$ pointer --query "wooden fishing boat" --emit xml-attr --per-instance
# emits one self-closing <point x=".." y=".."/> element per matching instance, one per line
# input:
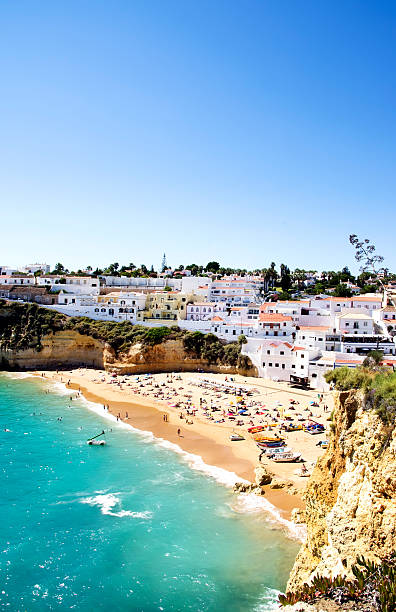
<point x="265" y="444"/>
<point x="256" y="429"/>
<point x="269" y="452"/>
<point x="286" y="457"/>
<point x="262" y="438"/>
<point x="292" y="427"/>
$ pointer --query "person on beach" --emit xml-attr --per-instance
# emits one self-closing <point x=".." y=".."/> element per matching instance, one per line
<point x="178" y="432"/>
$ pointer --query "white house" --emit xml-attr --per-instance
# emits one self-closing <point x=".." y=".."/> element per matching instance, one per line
<point x="203" y="311"/>
<point x="354" y="322"/>
<point x="84" y="285"/>
<point x="111" y="307"/>
<point x="36" y="267"/>
<point x="385" y="318"/>
<point x="312" y="336"/>
<point x="15" y="279"/>
<point x="271" y="324"/>
<point x="275" y="359"/>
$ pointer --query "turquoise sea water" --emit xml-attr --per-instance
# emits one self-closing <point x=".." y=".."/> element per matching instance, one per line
<point x="128" y="526"/>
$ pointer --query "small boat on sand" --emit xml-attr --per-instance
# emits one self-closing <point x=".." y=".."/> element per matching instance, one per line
<point x="270" y="452"/>
<point x="256" y="429"/>
<point x="236" y="437"/>
<point x="262" y="438"/>
<point x="286" y="457"/>
<point x="266" y="444"/>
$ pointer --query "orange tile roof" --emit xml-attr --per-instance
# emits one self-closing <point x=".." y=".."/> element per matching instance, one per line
<point x="315" y="327"/>
<point x="337" y="299"/>
<point x="280" y="343"/>
<point x="264" y="316"/>
<point x="367" y="299"/>
<point x="291" y="302"/>
<point x="217" y="319"/>
<point x="347" y="361"/>
<point x="299" y="348"/>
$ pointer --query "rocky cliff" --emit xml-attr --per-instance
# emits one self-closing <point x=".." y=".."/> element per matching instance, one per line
<point x="350" y="497"/>
<point x="69" y="348"/>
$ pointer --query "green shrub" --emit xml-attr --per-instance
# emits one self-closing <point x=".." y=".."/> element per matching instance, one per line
<point x="372" y="588"/>
<point x="379" y="388"/>
<point x="23" y="326"/>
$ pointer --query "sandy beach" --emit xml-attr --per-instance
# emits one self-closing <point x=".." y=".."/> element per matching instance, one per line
<point x="195" y="411"/>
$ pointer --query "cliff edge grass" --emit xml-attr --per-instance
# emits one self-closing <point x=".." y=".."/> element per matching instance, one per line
<point x="29" y="333"/>
<point x="351" y="497"/>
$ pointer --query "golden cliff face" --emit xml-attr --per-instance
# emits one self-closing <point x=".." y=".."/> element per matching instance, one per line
<point x="59" y="349"/>
<point x="167" y="356"/>
<point x="69" y="348"/>
<point x="351" y="495"/>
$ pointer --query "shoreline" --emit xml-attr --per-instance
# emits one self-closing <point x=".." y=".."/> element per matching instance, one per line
<point x="203" y="440"/>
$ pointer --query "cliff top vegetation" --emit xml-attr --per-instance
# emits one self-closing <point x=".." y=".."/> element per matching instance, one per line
<point x="23" y="326"/>
<point x="377" y="383"/>
<point x="373" y="588"/>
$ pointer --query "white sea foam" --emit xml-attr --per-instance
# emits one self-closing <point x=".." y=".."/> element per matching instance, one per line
<point x="269" y="601"/>
<point x="254" y="504"/>
<point x="246" y="503"/>
<point x="106" y="503"/>
<point x="16" y="375"/>
<point x="194" y="461"/>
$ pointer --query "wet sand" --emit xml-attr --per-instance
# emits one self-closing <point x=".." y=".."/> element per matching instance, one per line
<point x="136" y="406"/>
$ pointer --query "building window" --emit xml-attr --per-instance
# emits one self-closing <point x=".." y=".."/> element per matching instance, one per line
<point x="270" y="365"/>
<point x="268" y="352"/>
<point x="283" y="366"/>
<point x="96" y="309"/>
<point x="277" y="365"/>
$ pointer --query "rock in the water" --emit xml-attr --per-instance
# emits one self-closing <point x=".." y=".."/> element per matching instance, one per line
<point x="242" y="487"/>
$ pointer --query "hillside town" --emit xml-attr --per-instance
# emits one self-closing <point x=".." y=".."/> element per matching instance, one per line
<point x="294" y="327"/>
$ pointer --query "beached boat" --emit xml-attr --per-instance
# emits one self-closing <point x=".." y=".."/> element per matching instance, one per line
<point x="314" y="429"/>
<point x="262" y="438"/>
<point x="236" y="437"/>
<point x="256" y="429"/>
<point x="274" y="450"/>
<point x="286" y="457"/>
<point x="292" y="427"/>
<point x="265" y="444"/>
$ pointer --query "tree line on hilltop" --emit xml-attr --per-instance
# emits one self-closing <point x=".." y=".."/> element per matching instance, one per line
<point x="285" y="281"/>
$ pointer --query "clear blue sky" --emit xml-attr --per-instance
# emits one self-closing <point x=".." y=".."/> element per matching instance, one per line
<point x="239" y="131"/>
